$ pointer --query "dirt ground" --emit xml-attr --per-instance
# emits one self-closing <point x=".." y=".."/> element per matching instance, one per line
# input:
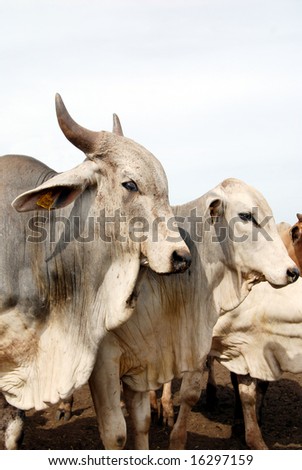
<point x="207" y="430"/>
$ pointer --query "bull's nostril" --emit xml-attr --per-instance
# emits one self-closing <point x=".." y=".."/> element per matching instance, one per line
<point x="181" y="260"/>
<point x="293" y="274"/>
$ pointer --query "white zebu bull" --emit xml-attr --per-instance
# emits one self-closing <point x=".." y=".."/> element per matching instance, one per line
<point x="70" y="258"/>
<point x="260" y="340"/>
<point x="171" y="329"/>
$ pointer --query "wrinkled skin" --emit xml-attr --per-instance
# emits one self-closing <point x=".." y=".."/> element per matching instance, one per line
<point x="169" y="335"/>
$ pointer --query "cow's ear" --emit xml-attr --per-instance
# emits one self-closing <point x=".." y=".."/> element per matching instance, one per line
<point x="58" y="191"/>
<point x="216" y="210"/>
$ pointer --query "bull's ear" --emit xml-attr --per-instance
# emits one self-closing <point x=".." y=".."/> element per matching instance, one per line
<point x="216" y="210"/>
<point x="58" y="191"/>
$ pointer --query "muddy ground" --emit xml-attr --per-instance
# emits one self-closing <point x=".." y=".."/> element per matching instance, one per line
<point x="208" y="430"/>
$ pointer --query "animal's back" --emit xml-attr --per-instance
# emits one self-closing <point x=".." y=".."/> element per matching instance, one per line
<point x="17" y="174"/>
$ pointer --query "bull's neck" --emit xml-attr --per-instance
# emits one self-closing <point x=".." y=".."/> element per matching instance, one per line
<point x="221" y="286"/>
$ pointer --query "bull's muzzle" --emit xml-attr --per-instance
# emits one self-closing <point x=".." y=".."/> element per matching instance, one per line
<point x="181" y="260"/>
<point x="292" y="274"/>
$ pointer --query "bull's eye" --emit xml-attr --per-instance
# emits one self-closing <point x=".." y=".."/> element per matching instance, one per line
<point x="248" y="217"/>
<point x="130" y="186"/>
<point x="245" y="216"/>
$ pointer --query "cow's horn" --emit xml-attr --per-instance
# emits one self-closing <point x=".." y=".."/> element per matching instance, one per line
<point x="117" y="127"/>
<point x="82" y="138"/>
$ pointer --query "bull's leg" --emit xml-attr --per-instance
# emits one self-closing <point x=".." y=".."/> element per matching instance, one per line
<point x="11" y="426"/>
<point x="155" y="407"/>
<point x="162" y="411"/>
<point x="247" y="387"/>
<point x="138" y="406"/>
<point x="190" y="391"/>
<point x="262" y="387"/>
<point x="211" y="389"/>
<point x="106" y="392"/>
<point x="64" y="409"/>
<point x="167" y="405"/>
<point x="238" y="422"/>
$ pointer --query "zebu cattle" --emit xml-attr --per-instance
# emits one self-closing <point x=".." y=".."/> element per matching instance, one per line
<point x="70" y="258"/>
<point x="260" y="340"/>
<point x="169" y="335"/>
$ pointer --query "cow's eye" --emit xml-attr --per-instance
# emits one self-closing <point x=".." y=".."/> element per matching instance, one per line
<point x="130" y="186"/>
<point x="248" y="217"/>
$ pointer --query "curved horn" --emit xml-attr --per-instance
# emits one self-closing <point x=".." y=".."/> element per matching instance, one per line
<point x="82" y="138"/>
<point x="117" y="127"/>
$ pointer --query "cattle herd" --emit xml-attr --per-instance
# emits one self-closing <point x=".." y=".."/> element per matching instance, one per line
<point x="103" y="282"/>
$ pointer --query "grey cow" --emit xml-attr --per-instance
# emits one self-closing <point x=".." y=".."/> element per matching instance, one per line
<point x="70" y="258"/>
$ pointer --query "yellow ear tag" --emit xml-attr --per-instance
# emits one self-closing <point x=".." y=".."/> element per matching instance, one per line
<point x="46" y="201"/>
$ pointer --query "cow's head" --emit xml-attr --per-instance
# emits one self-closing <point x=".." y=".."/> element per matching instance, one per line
<point x="131" y="190"/>
<point x="246" y="230"/>
<point x="292" y="238"/>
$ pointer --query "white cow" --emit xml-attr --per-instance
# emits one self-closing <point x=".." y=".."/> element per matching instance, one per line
<point x="70" y="258"/>
<point x="234" y="244"/>
<point x="260" y="340"/>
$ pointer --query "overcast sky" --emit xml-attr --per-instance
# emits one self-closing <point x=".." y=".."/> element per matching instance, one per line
<point x="213" y="88"/>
